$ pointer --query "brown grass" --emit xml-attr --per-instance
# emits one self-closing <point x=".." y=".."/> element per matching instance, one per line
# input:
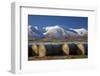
<point x="57" y="57"/>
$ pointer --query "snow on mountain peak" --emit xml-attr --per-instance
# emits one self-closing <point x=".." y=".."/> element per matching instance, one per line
<point x="55" y="31"/>
<point x="51" y="27"/>
<point x="36" y="27"/>
<point x="29" y="26"/>
<point x="34" y="32"/>
<point x="80" y="31"/>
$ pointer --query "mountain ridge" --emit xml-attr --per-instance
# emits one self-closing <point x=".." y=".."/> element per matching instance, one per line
<point x="55" y="31"/>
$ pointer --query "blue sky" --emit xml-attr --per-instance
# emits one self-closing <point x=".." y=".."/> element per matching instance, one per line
<point x="65" y="21"/>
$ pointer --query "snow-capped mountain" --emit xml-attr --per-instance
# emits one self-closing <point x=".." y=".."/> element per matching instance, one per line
<point x="33" y="32"/>
<point x="55" y="31"/>
<point x="80" y="31"/>
<point x="59" y="32"/>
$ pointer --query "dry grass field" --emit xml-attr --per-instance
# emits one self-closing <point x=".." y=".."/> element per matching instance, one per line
<point x="58" y="57"/>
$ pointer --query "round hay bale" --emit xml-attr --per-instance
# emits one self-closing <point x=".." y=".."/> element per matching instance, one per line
<point x="31" y="53"/>
<point x="35" y="48"/>
<point x="81" y="47"/>
<point x="42" y="50"/>
<point x="65" y="48"/>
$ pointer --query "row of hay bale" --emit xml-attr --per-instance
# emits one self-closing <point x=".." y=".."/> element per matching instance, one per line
<point x="64" y="49"/>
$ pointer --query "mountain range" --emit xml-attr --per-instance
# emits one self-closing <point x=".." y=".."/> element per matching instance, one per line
<point x="55" y="31"/>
